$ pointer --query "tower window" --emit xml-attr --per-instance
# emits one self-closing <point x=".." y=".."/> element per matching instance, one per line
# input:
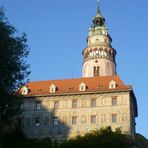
<point x="96" y="71"/>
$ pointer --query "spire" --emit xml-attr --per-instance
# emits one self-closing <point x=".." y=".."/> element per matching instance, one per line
<point x="98" y="11"/>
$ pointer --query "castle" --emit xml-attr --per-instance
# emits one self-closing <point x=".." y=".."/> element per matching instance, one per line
<point x="62" y="109"/>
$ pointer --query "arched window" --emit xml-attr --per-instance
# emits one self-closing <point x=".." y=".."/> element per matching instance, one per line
<point x="96" y="71"/>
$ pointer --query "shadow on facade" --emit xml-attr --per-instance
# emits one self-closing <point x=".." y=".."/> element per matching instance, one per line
<point x="40" y="122"/>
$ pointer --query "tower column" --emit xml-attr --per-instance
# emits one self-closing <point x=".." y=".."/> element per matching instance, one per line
<point x="99" y="56"/>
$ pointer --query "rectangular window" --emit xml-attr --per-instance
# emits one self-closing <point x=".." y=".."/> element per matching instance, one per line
<point x="93" y="102"/>
<point x="37" y="121"/>
<point x="55" y="120"/>
<point x="46" y="121"/>
<point x="56" y="104"/>
<point x="38" y="106"/>
<point x="114" y="118"/>
<point x="74" y="104"/>
<point x="22" y="106"/>
<point x="93" y="119"/>
<point x="114" y="101"/>
<point x="27" y="122"/>
<point x="74" y="120"/>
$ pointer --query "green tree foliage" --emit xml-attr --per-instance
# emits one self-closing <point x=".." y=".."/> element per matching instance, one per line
<point x="13" y="67"/>
<point x="104" y="138"/>
<point x="141" y="141"/>
<point x="18" y="140"/>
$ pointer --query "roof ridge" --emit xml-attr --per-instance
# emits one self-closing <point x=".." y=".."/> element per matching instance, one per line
<point x="82" y="78"/>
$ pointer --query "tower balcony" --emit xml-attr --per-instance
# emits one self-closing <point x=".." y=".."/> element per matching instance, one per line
<point x="96" y="53"/>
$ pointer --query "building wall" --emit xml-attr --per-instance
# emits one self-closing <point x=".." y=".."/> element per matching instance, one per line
<point x="64" y="112"/>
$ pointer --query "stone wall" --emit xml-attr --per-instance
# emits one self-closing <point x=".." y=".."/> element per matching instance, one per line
<point x="71" y="115"/>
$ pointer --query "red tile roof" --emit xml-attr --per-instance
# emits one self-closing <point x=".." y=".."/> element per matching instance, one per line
<point x="66" y="86"/>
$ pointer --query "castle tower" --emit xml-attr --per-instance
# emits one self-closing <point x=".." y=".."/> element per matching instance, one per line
<point x="99" y="56"/>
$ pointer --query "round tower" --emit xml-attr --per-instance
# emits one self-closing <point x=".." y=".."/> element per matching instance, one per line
<point x="99" y="56"/>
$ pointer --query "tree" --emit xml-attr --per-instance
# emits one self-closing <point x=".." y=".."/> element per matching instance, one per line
<point x="103" y="138"/>
<point x="13" y="67"/>
<point x="141" y="141"/>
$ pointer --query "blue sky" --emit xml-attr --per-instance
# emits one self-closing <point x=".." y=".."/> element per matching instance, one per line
<point x="57" y="32"/>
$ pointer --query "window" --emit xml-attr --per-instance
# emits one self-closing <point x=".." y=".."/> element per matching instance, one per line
<point x="114" y="101"/>
<point x="46" y="121"/>
<point x="56" y="104"/>
<point x="96" y="71"/>
<point x="38" y="106"/>
<point x="22" y="106"/>
<point x="112" y="84"/>
<point x="74" y="120"/>
<point x="37" y="121"/>
<point x="24" y="90"/>
<point x="93" y="119"/>
<point x="27" y="121"/>
<point x="82" y="87"/>
<point x="55" y="120"/>
<point x="114" y="118"/>
<point x="52" y="88"/>
<point x="93" y="102"/>
<point x="74" y="104"/>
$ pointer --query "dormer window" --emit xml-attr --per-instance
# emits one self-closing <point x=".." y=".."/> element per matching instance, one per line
<point x="52" y="88"/>
<point x="24" y="90"/>
<point x="82" y="87"/>
<point x="112" y="84"/>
